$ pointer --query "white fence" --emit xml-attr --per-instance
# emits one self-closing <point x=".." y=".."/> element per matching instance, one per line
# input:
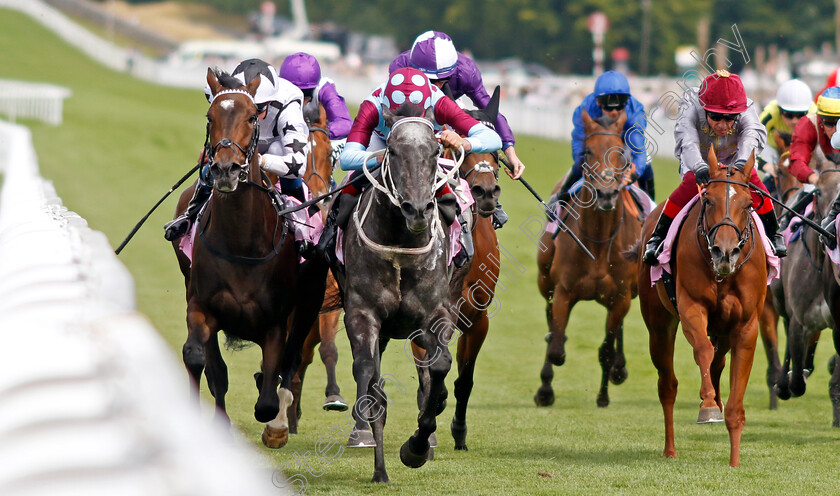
<point x="92" y="400"/>
<point x="45" y="102"/>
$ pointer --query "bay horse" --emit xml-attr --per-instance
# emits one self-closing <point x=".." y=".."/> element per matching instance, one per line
<point x="398" y="284"/>
<point x="245" y="278"/>
<point x="719" y="269"/>
<point x="318" y="176"/>
<point x="603" y="221"/>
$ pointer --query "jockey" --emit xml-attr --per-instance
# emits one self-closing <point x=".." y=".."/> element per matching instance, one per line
<point x="610" y="98"/>
<point x="719" y="114"/>
<point x="793" y="101"/>
<point x="813" y="135"/>
<point x="406" y="88"/>
<point x="283" y="143"/>
<point x="304" y="72"/>
<point x="433" y="53"/>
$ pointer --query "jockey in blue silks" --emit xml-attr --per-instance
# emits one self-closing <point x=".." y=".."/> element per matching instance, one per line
<point x="610" y="98"/>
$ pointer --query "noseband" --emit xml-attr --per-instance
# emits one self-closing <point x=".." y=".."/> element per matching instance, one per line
<point x="210" y="151"/>
<point x="709" y="234"/>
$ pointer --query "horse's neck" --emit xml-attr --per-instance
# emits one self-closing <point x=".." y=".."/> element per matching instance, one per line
<point x="599" y="224"/>
<point x="240" y="217"/>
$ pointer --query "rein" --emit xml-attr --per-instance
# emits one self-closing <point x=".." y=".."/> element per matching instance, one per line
<point x="210" y="151"/>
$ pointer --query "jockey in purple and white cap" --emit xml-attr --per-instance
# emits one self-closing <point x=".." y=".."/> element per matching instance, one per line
<point x="303" y="70"/>
<point x="433" y="52"/>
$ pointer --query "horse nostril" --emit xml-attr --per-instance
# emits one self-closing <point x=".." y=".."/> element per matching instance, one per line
<point x="477" y="191"/>
<point x="215" y="170"/>
<point x="716" y="252"/>
<point x="497" y="190"/>
<point x="735" y="253"/>
<point x="429" y="207"/>
<point x="235" y="168"/>
<point x="408" y="209"/>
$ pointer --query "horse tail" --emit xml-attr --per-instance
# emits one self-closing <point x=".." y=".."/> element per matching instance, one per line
<point x="632" y="254"/>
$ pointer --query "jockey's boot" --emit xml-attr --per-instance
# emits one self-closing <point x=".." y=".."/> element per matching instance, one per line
<point x="647" y="186"/>
<point x="328" y="240"/>
<point x="500" y="217"/>
<point x="654" y="245"/>
<point x="771" y="228"/>
<point x="829" y="225"/>
<point x="178" y="227"/>
<point x="467" y="247"/>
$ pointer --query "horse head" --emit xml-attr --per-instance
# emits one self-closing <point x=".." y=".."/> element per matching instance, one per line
<point x="411" y="164"/>
<point x="319" y="166"/>
<point x="725" y="214"/>
<point x="232" y="130"/>
<point x="481" y="170"/>
<point x="605" y="160"/>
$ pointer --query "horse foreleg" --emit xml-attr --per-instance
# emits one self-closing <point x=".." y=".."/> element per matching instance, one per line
<point x="307" y="354"/>
<point x="217" y="376"/>
<point x="545" y="393"/>
<point x="694" y="323"/>
<point x="362" y="331"/>
<point x="783" y="383"/>
<point x="328" y="326"/>
<point x="272" y="403"/>
<point x="378" y="414"/>
<point x="768" y="327"/>
<point x="718" y="363"/>
<point x="607" y="352"/>
<point x="468" y="347"/>
<point x="743" y="352"/>
<point x="200" y="327"/>
<point x="661" y="345"/>
<point x="798" y="345"/>
<point x="415" y="451"/>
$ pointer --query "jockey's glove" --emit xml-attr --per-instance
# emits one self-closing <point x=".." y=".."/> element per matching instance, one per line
<point x="701" y="174"/>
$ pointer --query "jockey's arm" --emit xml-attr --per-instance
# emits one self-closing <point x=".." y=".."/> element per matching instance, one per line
<point x="686" y="134"/>
<point x="482" y="139"/>
<point x="634" y="138"/>
<point x="802" y="145"/>
<point x="358" y="140"/>
<point x="286" y="157"/>
<point x="338" y="117"/>
<point x="753" y="134"/>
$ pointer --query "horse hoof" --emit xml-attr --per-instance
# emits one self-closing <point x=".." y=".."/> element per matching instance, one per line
<point x="380" y="478"/>
<point x="432" y="441"/>
<point x="603" y="401"/>
<point x="335" y="403"/>
<point x="411" y="459"/>
<point x="709" y="415"/>
<point x="618" y="375"/>
<point x="361" y="438"/>
<point x="459" y="433"/>
<point x="430" y="455"/>
<point x="275" y="438"/>
<point x="548" y="337"/>
<point x="544" y="398"/>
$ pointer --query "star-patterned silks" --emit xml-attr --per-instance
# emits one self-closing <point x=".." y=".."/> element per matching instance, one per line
<point x="297" y="146"/>
<point x="294" y="167"/>
<point x="288" y="127"/>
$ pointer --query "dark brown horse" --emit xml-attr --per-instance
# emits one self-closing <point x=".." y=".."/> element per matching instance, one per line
<point x="567" y="275"/>
<point x="245" y="277"/>
<point x="719" y="268"/>
<point x="318" y="176"/>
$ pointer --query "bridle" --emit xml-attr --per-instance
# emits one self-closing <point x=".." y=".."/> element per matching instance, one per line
<point x="310" y="159"/>
<point x="248" y="152"/>
<point x="708" y="235"/>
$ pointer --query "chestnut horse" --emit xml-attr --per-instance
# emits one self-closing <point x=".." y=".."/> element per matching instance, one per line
<point x="602" y="220"/>
<point x="318" y="177"/>
<point x="245" y="277"/>
<point x="720" y="272"/>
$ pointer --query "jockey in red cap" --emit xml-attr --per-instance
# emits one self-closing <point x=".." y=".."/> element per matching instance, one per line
<point x="719" y="114"/>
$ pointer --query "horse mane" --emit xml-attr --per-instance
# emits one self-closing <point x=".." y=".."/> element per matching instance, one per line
<point x="227" y="80"/>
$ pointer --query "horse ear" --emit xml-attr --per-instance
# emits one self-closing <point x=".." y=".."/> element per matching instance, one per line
<point x="213" y="81"/>
<point x="712" y="159"/>
<point x="780" y="142"/>
<point x="251" y="88"/>
<point x="750" y="164"/>
<point x="621" y="121"/>
<point x="587" y="121"/>
<point x="492" y="108"/>
<point x="430" y="114"/>
<point x="388" y="117"/>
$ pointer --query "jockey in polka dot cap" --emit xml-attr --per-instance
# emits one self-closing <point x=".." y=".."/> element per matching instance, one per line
<point x="407" y="92"/>
<point x="433" y="53"/>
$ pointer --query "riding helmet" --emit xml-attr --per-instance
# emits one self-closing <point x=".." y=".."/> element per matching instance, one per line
<point x="407" y="85"/>
<point x="794" y="96"/>
<point x="302" y="70"/>
<point x="247" y="70"/>
<point x="723" y="92"/>
<point x="828" y="103"/>
<point x="434" y="53"/>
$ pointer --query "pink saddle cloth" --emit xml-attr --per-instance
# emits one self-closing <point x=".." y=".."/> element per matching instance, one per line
<point x="304" y="226"/>
<point x="665" y="257"/>
<point x="465" y="201"/>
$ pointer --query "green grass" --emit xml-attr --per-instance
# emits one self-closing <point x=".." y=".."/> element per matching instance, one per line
<point x="124" y="143"/>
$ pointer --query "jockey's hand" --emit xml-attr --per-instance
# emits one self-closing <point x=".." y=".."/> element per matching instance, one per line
<point x="518" y="166"/>
<point x="630" y="178"/>
<point x="451" y="139"/>
<point x="701" y="174"/>
<point x="814" y="178"/>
